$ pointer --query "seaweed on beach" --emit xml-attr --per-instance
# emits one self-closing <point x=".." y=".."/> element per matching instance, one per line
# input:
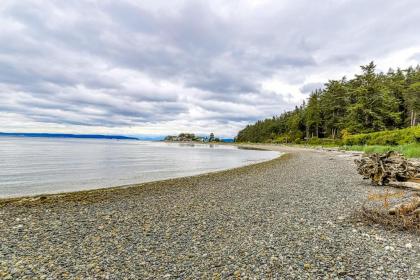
<point x="390" y="209"/>
<point x="399" y="209"/>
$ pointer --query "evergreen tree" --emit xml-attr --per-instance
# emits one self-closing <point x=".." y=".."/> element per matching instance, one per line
<point x="412" y="102"/>
<point x="334" y="101"/>
<point x="374" y="108"/>
<point x="369" y="102"/>
<point x="313" y="115"/>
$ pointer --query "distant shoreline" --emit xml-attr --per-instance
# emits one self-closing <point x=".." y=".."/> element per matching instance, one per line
<point x="65" y="135"/>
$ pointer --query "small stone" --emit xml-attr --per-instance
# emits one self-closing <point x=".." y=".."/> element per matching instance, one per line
<point x="379" y="238"/>
<point x="366" y="235"/>
<point x="389" y="248"/>
<point x="408" y="246"/>
<point x="341" y="272"/>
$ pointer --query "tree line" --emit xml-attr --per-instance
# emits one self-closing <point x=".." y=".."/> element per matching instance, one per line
<point x="367" y="103"/>
<point x="183" y="137"/>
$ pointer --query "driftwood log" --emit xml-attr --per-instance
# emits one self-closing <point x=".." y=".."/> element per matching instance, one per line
<point x="405" y="185"/>
<point x="406" y="208"/>
<point x="388" y="167"/>
<point x="393" y="170"/>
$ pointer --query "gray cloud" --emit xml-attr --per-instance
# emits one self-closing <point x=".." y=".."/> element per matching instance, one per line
<point x="310" y="87"/>
<point x="158" y="66"/>
<point x="416" y="56"/>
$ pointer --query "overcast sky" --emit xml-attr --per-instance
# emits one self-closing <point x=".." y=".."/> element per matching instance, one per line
<point x="164" y="67"/>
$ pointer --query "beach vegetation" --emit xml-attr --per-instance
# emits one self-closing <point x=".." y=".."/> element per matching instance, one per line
<point x="411" y="150"/>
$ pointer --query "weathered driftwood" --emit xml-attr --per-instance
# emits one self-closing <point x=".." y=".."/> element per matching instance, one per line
<point x="406" y="208"/>
<point x="388" y="167"/>
<point x="405" y="185"/>
<point x="380" y="215"/>
<point x="415" y="180"/>
<point x="392" y="169"/>
<point x="416" y="212"/>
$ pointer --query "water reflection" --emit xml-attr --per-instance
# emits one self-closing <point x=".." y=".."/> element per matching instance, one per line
<point x="41" y="165"/>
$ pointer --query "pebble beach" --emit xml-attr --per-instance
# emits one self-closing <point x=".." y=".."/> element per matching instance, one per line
<point x="289" y="218"/>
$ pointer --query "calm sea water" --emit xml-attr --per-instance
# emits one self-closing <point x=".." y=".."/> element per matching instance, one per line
<point x="30" y="166"/>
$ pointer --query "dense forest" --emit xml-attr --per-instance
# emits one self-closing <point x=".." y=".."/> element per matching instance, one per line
<point x="367" y="103"/>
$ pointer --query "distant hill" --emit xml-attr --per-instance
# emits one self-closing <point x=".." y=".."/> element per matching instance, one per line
<point x="150" y="138"/>
<point x="65" y="135"/>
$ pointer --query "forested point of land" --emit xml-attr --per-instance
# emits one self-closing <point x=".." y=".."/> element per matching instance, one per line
<point x="369" y="102"/>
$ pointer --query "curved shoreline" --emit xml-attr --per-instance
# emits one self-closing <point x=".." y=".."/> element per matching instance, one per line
<point x="287" y="218"/>
<point x="42" y="198"/>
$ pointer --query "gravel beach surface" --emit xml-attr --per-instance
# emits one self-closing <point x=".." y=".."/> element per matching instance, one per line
<point x="289" y="218"/>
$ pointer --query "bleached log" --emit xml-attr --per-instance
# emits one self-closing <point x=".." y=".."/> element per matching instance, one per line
<point x="416" y="212"/>
<point x="405" y="185"/>
<point x="405" y="207"/>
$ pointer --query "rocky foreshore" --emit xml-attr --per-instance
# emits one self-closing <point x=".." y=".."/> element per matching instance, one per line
<point x="289" y="218"/>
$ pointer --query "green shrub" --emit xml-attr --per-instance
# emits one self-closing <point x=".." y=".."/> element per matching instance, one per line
<point x="323" y="142"/>
<point x="280" y="140"/>
<point x="287" y="138"/>
<point x="389" y="137"/>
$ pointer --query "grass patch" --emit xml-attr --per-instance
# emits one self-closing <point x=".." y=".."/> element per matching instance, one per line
<point x="409" y="150"/>
<point x="405" y="141"/>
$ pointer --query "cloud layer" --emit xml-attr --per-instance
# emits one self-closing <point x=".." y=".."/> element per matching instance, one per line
<point x="160" y="67"/>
